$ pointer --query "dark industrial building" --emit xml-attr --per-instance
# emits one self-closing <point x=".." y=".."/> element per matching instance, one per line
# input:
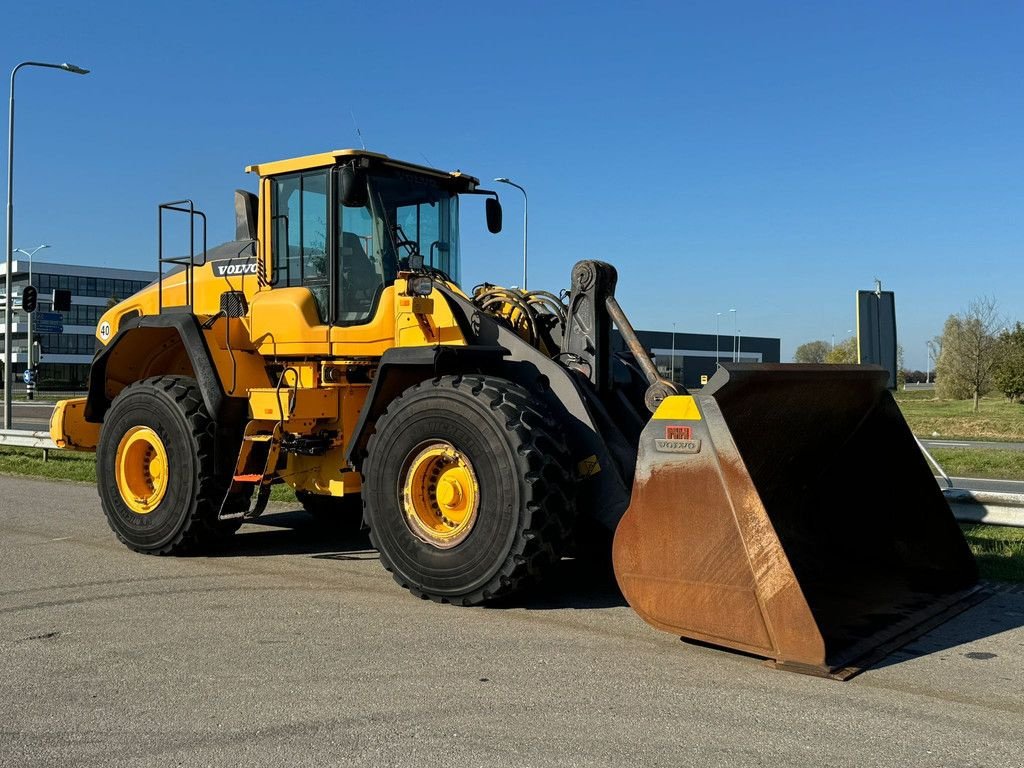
<point x="689" y="357"/>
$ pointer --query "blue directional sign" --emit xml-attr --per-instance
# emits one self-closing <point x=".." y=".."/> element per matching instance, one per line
<point x="48" y="322"/>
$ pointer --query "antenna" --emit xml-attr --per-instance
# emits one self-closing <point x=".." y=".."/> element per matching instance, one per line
<point x="358" y="132"/>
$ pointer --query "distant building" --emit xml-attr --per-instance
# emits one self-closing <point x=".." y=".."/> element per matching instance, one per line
<point x="695" y="355"/>
<point x="66" y="356"/>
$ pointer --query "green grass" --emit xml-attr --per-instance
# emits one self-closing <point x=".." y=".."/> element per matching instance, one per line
<point x="998" y="550"/>
<point x="981" y="462"/>
<point x="62" y="465"/>
<point x="997" y="418"/>
<point x="67" y="465"/>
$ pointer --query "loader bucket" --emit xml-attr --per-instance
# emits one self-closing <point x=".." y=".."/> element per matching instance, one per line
<point x="786" y="511"/>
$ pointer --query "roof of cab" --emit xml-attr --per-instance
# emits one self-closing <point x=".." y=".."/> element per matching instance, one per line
<point x="322" y="159"/>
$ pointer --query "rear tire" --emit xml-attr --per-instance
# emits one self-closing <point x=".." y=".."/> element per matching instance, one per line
<point x="167" y="412"/>
<point x="518" y="500"/>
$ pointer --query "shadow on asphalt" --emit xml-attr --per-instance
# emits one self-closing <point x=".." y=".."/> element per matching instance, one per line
<point x="573" y="584"/>
<point x="582" y="585"/>
<point x="1002" y="612"/>
<point x="297" y="533"/>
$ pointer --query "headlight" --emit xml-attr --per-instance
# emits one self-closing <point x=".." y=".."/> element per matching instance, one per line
<point x="420" y="286"/>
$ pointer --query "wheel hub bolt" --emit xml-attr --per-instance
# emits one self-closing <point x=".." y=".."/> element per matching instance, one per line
<point x="449" y="493"/>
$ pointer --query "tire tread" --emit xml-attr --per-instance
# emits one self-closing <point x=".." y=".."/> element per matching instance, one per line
<point x="542" y="464"/>
<point x="201" y="527"/>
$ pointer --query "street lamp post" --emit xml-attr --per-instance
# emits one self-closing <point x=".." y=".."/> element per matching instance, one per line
<point x="526" y="219"/>
<point x="673" y="352"/>
<point x="8" y="368"/>
<point x="739" y="346"/>
<point x="30" y="254"/>
<point x="733" y="311"/>
<point x="718" y="333"/>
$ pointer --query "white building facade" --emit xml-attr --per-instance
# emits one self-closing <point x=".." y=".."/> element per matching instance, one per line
<point x="65" y="357"/>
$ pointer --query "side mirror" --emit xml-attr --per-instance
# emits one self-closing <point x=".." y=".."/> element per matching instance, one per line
<point x="246" y="205"/>
<point x="352" y="187"/>
<point x="493" y="207"/>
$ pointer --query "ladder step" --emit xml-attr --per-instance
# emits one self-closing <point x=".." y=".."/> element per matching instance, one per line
<point x="255" y="478"/>
<point x="258" y="438"/>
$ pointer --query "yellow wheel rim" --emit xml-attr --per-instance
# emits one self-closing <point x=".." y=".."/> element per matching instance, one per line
<point x="440" y="495"/>
<point x="141" y="466"/>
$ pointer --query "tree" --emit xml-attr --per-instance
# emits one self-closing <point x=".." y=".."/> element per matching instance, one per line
<point x="968" y="355"/>
<point x="811" y="352"/>
<point x="845" y="352"/>
<point x="1008" y="372"/>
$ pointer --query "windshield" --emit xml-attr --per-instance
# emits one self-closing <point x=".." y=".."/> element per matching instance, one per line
<point x="418" y="216"/>
<point x="406" y="215"/>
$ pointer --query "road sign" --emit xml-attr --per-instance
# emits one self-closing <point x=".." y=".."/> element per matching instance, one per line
<point x="49" y="322"/>
<point x="876" y="330"/>
<point x="61" y="301"/>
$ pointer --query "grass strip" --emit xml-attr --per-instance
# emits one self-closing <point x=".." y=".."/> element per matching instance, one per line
<point x="981" y="462"/>
<point x="70" y="465"/>
<point x="999" y="550"/>
<point x="997" y="418"/>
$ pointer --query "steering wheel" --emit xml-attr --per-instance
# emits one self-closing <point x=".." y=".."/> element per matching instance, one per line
<point x="410" y="243"/>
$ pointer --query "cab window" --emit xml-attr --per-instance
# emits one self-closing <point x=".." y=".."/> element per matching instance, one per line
<point x="362" y="270"/>
<point x="299" y="221"/>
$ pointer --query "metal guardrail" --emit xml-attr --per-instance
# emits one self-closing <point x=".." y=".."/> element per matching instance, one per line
<point x="27" y="438"/>
<point x="987" y="507"/>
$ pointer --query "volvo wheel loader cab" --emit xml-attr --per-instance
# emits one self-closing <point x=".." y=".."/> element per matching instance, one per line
<point x="478" y="433"/>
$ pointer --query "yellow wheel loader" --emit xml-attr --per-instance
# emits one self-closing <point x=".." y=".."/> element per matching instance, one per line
<point x="783" y="511"/>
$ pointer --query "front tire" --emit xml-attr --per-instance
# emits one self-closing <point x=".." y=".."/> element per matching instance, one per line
<point x="466" y="489"/>
<point x="154" y="467"/>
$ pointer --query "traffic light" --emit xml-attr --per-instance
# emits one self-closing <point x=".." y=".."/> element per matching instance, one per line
<point x="61" y="300"/>
<point x="29" y="298"/>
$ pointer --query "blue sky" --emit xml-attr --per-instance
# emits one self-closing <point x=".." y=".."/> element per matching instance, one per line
<point x="772" y="157"/>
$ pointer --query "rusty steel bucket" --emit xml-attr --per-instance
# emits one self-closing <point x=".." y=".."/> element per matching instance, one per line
<point x="786" y="511"/>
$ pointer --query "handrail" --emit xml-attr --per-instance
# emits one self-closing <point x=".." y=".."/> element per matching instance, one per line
<point x="189" y="262"/>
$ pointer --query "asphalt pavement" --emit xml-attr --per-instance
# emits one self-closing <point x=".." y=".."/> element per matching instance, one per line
<point x="973" y="444"/>
<point x="30" y="415"/>
<point x="294" y="647"/>
<point x="984" y="484"/>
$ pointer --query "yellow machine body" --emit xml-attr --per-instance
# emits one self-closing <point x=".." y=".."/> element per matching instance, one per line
<point x="757" y="514"/>
<point x="281" y="324"/>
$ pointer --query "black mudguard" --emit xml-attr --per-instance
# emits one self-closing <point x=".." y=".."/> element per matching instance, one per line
<point x="229" y="413"/>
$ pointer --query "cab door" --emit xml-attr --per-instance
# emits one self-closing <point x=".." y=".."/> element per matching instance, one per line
<point x="363" y="307"/>
<point x="294" y="316"/>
